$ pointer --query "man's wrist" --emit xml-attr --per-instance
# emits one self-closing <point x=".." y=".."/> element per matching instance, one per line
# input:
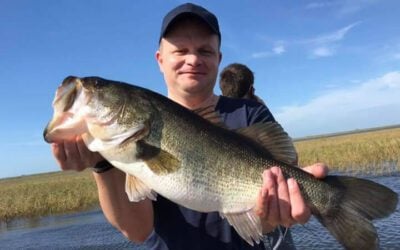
<point x="102" y="166"/>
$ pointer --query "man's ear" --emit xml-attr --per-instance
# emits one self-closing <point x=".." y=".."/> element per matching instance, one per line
<point x="220" y="57"/>
<point x="159" y="60"/>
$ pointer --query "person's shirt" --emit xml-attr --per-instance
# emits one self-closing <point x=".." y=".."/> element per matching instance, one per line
<point x="177" y="227"/>
<point x="258" y="99"/>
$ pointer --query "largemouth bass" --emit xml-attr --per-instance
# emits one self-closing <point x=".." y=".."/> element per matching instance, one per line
<point x="167" y="149"/>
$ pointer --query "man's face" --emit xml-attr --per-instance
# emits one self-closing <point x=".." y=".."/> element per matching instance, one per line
<point x="189" y="57"/>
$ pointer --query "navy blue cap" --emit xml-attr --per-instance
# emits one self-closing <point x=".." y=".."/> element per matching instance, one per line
<point x="190" y="9"/>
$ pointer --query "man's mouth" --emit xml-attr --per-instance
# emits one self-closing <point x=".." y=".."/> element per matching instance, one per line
<point x="192" y="73"/>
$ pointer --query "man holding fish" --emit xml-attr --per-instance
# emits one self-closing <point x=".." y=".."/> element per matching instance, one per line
<point x="189" y="56"/>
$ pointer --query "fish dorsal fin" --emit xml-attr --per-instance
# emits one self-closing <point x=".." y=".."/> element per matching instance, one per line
<point x="247" y="224"/>
<point x="137" y="190"/>
<point x="211" y="115"/>
<point x="273" y="138"/>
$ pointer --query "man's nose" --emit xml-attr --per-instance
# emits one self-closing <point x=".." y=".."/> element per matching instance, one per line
<point x="193" y="59"/>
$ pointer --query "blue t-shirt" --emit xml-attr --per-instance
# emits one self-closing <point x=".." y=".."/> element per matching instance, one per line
<point x="180" y="228"/>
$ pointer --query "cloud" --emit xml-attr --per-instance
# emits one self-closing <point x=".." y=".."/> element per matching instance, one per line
<point x="319" y="46"/>
<point x="341" y="8"/>
<point x="322" y="52"/>
<point x="277" y="50"/>
<point x="323" y="45"/>
<point x="331" y="37"/>
<point x="352" y="6"/>
<point x="262" y="54"/>
<point x="371" y="103"/>
<point x="388" y="53"/>
<point x="320" y="5"/>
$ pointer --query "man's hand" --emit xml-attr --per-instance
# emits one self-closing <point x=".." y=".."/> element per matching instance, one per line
<point x="280" y="201"/>
<point x="74" y="155"/>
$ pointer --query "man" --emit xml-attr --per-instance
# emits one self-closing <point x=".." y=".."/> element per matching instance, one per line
<point x="237" y="81"/>
<point x="189" y="57"/>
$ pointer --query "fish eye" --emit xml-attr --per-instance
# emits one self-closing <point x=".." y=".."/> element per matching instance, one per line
<point x="98" y="83"/>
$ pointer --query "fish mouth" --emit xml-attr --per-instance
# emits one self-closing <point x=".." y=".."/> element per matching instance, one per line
<point x="55" y="131"/>
<point x="45" y="134"/>
<point x="66" y="95"/>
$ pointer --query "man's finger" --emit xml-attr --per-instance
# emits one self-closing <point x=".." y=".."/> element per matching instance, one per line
<point x="283" y="198"/>
<point x="81" y="146"/>
<point x="262" y="204"/>
<point x="71" y="150"/>
<point x="73" y="158"/>
<point x="300" y="212"/>
<point x="58" y="151"/>
<point x="319" y="170"/>
<point x="273" y="215"/>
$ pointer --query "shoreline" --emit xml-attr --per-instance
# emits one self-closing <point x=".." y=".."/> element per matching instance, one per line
<point x="374" y="153"/>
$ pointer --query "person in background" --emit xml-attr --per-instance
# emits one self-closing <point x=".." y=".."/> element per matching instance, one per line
<point x="237" y="81"/>
<point x="188" y="57"/>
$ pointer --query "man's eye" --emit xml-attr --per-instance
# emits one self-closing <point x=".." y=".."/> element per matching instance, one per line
<point x="206" y="52"/>
<point x="180" y="51"/>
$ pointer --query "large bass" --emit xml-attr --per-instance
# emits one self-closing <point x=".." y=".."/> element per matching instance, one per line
<point x="167" y="149"/>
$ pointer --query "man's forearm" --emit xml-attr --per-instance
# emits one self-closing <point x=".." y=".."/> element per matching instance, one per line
<point x="133" y="219"/>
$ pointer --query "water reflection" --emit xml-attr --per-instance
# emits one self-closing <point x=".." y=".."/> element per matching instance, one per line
<point x="20" y="223"/>
<point x="36" y="222"/>
<point x="88" y="230"/>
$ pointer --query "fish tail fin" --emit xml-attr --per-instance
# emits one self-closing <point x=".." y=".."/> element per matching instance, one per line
<point x="359" y="202"/>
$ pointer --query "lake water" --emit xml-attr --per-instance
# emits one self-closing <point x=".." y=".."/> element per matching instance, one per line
<point x="90" y="230"/>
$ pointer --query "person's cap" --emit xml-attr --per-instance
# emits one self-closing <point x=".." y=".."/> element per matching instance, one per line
<point x="190" y="9"/>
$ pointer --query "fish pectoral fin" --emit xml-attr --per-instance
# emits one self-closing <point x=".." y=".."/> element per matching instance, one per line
<point x="137" y="190"/>
<point x="247" y="224"/>
<point x="163" y="163"/>
<point x="274" y="139"/>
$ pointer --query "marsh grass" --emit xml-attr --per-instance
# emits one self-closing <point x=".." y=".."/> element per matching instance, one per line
<point x="45" y="194"/>
<point x="375" y="152"/>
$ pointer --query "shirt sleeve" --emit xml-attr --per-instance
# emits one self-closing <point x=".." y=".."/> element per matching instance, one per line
<point x="154" y="242"/>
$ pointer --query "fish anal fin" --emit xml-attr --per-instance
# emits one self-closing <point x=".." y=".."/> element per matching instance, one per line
<point x="137" y="190"/>
<point x="247" y="224"/>
<point x="274" y="139"/>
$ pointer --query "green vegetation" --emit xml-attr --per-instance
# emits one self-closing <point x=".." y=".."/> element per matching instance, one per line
<point x="376" y="152"/>
<point x="44" y="194"/>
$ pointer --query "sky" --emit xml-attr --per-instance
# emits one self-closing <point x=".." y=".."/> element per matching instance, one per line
<point x="321" y="66"/>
